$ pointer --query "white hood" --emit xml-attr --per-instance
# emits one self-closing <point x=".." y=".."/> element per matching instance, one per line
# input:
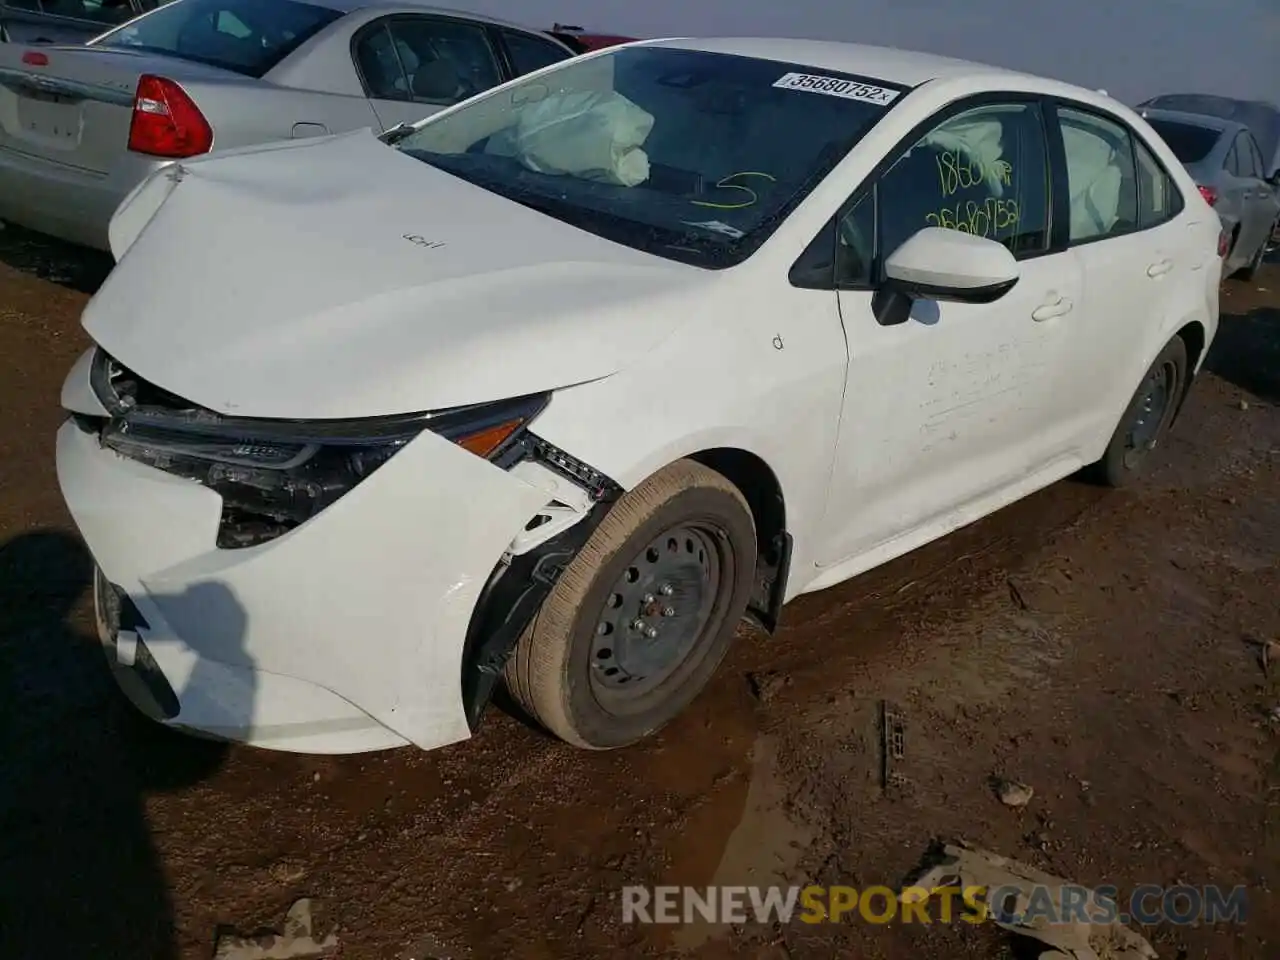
<point x="341" y="278"/>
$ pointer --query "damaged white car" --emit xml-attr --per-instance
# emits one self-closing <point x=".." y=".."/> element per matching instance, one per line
<point x="559" y="385"/>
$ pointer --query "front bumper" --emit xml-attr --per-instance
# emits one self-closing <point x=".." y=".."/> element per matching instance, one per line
<point x="345" y="634"/>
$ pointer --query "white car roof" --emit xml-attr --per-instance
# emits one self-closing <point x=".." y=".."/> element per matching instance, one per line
<point x="904" y="67"/>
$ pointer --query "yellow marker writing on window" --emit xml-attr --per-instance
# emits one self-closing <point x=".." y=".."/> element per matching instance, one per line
<point x="726" y="184"/>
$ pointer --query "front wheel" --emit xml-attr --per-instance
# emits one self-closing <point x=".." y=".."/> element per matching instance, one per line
<point x="641" y="618"/>
<point x="1147" y="419"/>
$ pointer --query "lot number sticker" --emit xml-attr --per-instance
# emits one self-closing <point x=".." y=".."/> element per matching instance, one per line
<point x="837" y="87"/>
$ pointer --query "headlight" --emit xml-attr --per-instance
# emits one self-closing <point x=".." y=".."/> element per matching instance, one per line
<point x="273" y="475"/>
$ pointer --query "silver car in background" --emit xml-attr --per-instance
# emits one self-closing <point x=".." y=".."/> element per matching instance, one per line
<point x="81" y="126"/>
<point x="1224" y="159"/>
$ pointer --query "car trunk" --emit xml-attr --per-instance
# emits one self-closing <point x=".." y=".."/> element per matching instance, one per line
<point x="73" y="105"/>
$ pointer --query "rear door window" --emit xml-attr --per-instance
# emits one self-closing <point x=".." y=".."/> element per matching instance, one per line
<point x="1233" y="164"/>
<point x="1159" y="199"/>
<point x="425" y="60"/>
<point x="1250" y="162"/>
<point x="529" y="53"/>
<point x="245" y="36"/>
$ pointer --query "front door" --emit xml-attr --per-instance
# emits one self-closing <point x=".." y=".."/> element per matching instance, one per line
<point x="413" y="66"/>
<point x="957" y="403"/>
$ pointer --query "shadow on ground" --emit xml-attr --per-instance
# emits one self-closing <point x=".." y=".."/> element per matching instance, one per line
<point x="1246" y="351"/>
<point x="79" y="873"/>
<point x="77" y="268"/>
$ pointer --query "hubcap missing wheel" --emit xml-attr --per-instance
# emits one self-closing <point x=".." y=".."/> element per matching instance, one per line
<point x="655" y="613"/>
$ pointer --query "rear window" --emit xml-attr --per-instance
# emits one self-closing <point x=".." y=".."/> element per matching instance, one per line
<point x="1190" y="143"/>
<point x="245" y="36"/>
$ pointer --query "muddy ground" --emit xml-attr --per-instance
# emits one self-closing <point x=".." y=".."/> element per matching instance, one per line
<point x="1095" y="645"/>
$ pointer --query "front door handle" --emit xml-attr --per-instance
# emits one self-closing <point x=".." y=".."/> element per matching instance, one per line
<point x="1159" y="268"/>
<point x="1048" y="311"/>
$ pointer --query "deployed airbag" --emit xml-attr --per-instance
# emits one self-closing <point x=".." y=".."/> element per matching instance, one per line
<point x="592" y="135"/>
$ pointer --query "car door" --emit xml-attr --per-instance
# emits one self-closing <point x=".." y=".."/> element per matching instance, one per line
<point x="1138" y="256"/>
<point x="414" y="65"/>
<point x="1258" y="214"/>
<point x="947" y="410"/>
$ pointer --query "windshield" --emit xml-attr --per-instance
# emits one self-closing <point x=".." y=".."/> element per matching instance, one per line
<point x="245" y="36"/>
<point x="688" y="155"/>
<point x="1189" y="142"/>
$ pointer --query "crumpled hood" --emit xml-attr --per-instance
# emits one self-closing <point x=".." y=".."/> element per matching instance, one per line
<point x="341" y="278"/>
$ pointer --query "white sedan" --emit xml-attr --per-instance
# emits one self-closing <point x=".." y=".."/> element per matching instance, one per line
<point x="560" y="384"/>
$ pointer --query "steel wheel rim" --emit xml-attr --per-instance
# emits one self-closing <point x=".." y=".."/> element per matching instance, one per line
<point x="1144" y="431"/>
<point x="655" y="613"/>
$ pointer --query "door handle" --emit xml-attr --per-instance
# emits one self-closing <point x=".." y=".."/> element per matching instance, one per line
<point x="1059" y="308"/>
<point x="1159" y="268"/>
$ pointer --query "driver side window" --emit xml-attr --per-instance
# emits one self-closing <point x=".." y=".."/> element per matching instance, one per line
<point x="984" y="171"/>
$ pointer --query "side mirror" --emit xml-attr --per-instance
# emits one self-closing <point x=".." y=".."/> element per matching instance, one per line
<point x="947" y="265"/>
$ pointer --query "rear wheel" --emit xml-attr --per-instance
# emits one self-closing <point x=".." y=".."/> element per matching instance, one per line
<point x="1147" y="418"/>
<point x="641" y="618"/>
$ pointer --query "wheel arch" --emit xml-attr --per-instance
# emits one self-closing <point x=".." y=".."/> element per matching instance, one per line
<point x="760" y="486"/>
<point x="1195" y="339"/>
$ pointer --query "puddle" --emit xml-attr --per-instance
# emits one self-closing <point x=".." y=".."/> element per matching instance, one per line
<point x="761" y="849"/>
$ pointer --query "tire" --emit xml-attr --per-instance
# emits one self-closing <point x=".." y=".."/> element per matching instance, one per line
<point x="1137" y="435"/>
<point x="1247" y="272"/>
<point x="560" y="673"/>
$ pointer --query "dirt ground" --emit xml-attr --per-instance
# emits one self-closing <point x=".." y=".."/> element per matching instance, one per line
<point x="1095" y="645"/>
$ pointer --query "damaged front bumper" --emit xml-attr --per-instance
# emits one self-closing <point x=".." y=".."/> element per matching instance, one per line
<point x="361" y="628"/>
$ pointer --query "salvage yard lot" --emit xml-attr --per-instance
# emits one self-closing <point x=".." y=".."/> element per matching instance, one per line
<point x="1100" y="647"/>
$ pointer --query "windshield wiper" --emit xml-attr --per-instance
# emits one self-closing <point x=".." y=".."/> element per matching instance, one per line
<point x="397" y="133"/>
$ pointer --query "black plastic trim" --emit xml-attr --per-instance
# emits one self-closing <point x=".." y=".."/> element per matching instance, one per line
<point x="767" y="614"/>
<point x="512" y="595"/>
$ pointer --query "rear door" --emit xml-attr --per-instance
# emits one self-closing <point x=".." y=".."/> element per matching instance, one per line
<point x="414" y="65"/>
<point x="1142" y="261"/>
<point x="1259" y="211"/>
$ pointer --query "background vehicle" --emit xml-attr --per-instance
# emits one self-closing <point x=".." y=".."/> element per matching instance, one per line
<point x="1224" y="159"/>
<point x="1262" y="118"/>
<point x="65" y="21"/>
<point x="81" y="126"/>
<point x="585" y="42"/>
<point x="349" y="443"/>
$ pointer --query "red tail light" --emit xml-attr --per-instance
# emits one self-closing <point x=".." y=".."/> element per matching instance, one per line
<point x="1210" y="196"/>
<point x="166" y="122"/>
<point x="33" y="58"/>
<point x="1224" y="243"/>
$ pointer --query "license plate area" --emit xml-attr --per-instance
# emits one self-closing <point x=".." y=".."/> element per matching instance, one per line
<point x="51" y="119"/>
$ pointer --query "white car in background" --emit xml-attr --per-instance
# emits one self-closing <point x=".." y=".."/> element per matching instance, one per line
<point x="560" y="384"/>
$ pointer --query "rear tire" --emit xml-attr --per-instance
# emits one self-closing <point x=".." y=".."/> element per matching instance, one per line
<point x="641" y="618"/>
<point x="1147" y="418"/>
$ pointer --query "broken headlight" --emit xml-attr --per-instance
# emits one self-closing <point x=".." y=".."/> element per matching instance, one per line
<point x="274" y="475"/>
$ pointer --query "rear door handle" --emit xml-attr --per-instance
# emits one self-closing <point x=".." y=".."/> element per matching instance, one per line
<point x="1048" y="311"/>
<point x="1159" y="268"/>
